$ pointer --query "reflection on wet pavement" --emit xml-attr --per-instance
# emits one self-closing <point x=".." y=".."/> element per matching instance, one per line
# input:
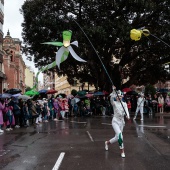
<point x="159" y="125"/>
<point x="139" y="129"/>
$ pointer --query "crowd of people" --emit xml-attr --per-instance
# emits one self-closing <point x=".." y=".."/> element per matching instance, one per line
<point x="16" y="113"/>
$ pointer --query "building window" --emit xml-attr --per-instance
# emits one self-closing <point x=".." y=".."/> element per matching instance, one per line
<point x="11" y="58"/>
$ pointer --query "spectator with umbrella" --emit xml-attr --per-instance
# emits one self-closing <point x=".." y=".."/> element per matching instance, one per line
<point x="16" y="111"/>
<point x="82" y="108"/>
<point x="45" y="110"/>
<point x="66" y="105"/>
<point x="9" y="113"/>
<point x="51" y="107"/>
<point x="34" y="112"/>
<point x="26" y="114"/>
<point x="56" y="108"/>
<point x="2" y="106"/>
<point x="74" y="104"/>
<point x="21" y="119"/>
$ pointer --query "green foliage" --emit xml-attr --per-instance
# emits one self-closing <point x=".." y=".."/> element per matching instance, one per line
<point x="149" y="89"/>
<point x="107" y="24"/>
<point x="74" y="92"/>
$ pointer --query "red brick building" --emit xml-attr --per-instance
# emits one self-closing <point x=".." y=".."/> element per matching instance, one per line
<point x="14" y="65"/>
<point x="2" y="75"/>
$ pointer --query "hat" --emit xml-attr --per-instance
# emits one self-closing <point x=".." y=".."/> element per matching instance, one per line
<point x="119" y="93"/>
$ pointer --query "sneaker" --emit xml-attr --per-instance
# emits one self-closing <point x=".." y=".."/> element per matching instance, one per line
<point x="141" y="119"/>
<point x="46" y="121"/>
<point x="106" y="146"/>
<point x="1" y="131"/>
<point x="11" y="129"/>
<point x="8" y="129"/>
<point x="17" y="126"/>
<point x="123" y="155"/>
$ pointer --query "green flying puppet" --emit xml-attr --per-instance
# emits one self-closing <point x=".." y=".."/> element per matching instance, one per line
<point x="62" y="53"/>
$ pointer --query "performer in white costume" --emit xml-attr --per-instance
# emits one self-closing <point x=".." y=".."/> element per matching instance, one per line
<point x="118" y="122"/>
<point x="140" y="105"/>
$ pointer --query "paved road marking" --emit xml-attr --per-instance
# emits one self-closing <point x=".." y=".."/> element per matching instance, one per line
<point x="90" y="136"/>
<point x="58" y="163"/>
<point x="106" y="124"/>
<point x="77" y="122"/>
<point x="152" y="126"/>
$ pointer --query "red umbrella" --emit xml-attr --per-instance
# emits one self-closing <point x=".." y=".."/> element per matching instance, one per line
<point x="51" y="91"/>
<point x="126" y="90"/>
<point x="105" y="92"/>
<point x="89" y="95"/>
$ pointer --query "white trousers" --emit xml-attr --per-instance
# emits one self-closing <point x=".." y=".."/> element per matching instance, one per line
<point x="141" y="111"/>
<point x="118" y="128"/>
<point x="103" y="111"/>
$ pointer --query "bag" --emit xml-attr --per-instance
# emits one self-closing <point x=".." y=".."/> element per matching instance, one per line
<point x="159" y="105"/>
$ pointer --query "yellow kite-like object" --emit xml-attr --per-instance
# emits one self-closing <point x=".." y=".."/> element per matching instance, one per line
<point x="137" y="34"/>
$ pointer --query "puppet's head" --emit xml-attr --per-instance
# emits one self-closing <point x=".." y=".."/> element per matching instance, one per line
<point x="67" y="38"/>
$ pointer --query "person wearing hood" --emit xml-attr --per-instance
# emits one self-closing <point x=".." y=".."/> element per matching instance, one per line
<point x="118" y="123"/>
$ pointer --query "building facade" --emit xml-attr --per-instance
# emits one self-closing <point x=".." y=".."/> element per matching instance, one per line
<point x="2" y="75"/>
<point x="49" y="80"/>
<point x="62" y="85"/>
<point x="29" y="77"/>
<point x="14" y="65"/>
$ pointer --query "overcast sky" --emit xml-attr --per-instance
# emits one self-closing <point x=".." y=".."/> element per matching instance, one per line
<point x="12" y="21"/>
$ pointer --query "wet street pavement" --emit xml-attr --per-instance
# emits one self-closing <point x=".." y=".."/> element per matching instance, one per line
<point x="78" y="143"/>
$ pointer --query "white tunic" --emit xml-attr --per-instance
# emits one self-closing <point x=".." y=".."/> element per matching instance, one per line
<point x="140" y="102"/>
<point x="119" y="111"/>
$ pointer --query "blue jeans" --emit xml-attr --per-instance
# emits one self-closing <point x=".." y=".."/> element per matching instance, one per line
<point x="10" y="118"/>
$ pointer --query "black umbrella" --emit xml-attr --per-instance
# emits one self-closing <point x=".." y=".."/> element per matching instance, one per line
<point x="13" y="91"/>
<point x="132" y="93"/>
